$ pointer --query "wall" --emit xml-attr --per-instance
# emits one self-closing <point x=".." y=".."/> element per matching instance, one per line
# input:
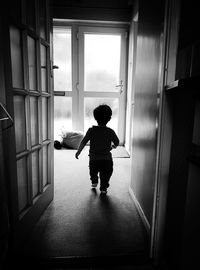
<point x="4" y="221"/>
<point x="110" y="10"/>
<point x="182" y="220"/>
<point x="146" y="84"/>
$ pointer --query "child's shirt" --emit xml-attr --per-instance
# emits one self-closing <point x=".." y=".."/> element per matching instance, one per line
<point x="101" y="138"/>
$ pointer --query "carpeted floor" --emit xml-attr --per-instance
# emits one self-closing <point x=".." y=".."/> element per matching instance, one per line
<point x="79" y="222"/>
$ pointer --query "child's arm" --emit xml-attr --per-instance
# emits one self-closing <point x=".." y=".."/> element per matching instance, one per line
<point x="81" y="146"/>
<point x="83" y="143"/>
<point x="115" y="140"/>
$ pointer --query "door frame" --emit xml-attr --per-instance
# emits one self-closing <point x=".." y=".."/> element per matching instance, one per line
<point x="77" y="28"/>
<point x="165" y="126"/>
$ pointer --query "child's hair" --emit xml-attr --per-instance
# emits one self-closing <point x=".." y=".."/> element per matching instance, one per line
<point x="102" y="114"/>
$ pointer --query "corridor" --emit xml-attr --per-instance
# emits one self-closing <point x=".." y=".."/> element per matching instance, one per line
<point x="79" y="223"/>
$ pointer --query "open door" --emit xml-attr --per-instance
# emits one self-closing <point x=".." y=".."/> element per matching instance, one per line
<point x="29" y="100"/>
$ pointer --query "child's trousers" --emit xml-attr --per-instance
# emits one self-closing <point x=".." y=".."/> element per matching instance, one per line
<point x="102" y="167"/>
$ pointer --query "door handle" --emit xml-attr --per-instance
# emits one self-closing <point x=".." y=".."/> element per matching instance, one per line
<point x="55" y="67"/>
<point x="121" y="86"/>
<point x="6" y="117"/>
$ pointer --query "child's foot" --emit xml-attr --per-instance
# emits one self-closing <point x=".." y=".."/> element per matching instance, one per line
<point x="103" y="191"/>
<point x="94" y="185"/>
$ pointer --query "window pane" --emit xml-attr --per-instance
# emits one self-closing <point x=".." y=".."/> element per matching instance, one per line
<point x="16" y="58"/>
<point x="62" y="115"/>
<point x="32" y="63"/>
<point x="35" y="174"/>
<point x="34" y="120"/>
<point x="45" y="165"/>
<point x="62" y="58"/>
<point x="91" y="103"/>
<point x="102" y="62"/>
<point x="22" y="183"/>
<point x="20" y="123"/>
<point x="44" y="118"/>
<point x="43" y="52"/>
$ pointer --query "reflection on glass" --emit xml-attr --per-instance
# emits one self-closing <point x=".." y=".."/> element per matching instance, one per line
<point x="22" y="183"/>
<point x="102" y="62"/>
<point x="42" y="18"/>
<point x="32" y="63"/>
<point x="45" y="165"/>
<point x="20" y="123"/>
<point x="62" y="58"/>
<point x="44" y="118"/>
<point x="34" y="120"/>
<point x="16" y="58"/>
<point x="43" y="68"/>
<point x="91" y="103"/>
<point x="30" y="12"/>
<point x="62" y="115"/>
<point x="35" y="174"/>
<point x="196" y="129"/>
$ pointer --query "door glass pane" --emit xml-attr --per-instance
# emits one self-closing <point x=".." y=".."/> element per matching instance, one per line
<point x="32" y="63"/>
<point x="22" y="183"/>
<point x="16" y="11"/>
<point x="45" y="165"/>
<point x="42" y="6"/>
<point x="43" y="52"/>
<point x="91" y="103"/>
<point x="34" y="120"/>
<point x="196" y="129"/>
<point x="20" y="123"/>
<point x="62" y="58"/>
<point x="102" y="62"/>
<point x="44" y="118"/>
<point x="16" y="58"/>
<point x="35" y="174"/>
<point x="62" y="115"/>
<point x="30" y="12"/>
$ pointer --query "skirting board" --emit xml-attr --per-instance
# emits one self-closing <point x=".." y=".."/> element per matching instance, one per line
<point x="140" y="211"/>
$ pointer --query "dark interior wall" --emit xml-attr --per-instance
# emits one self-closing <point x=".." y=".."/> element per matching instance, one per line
<point x="146" y="81"/>
<point x="110" y="10"/>
<point x="4" y="222"/>
<point x="182" y="219"/>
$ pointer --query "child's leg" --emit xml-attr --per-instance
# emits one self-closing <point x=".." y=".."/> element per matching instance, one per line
<point x="106" y="171"/>
<point x="94" y="170"/>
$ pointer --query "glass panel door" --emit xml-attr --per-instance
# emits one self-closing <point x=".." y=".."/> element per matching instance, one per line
<point x="102" y="54"/>
<point x="29" y="98"/>
<point x="90" y="67"/>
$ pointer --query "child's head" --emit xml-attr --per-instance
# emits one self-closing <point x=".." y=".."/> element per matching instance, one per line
<point x="102" y="114"/>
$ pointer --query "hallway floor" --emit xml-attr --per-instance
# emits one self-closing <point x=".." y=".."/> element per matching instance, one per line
<point x="80" y="222"/>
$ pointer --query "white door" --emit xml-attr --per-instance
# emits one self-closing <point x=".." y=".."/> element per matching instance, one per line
<point x="96" y="73"/>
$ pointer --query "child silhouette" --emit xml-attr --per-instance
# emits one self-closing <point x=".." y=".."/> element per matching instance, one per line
<point x="102" y="141"/>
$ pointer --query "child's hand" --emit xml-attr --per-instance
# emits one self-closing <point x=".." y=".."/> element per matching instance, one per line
<point x="113" y="146"/>
<point x="77" y="155"/>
